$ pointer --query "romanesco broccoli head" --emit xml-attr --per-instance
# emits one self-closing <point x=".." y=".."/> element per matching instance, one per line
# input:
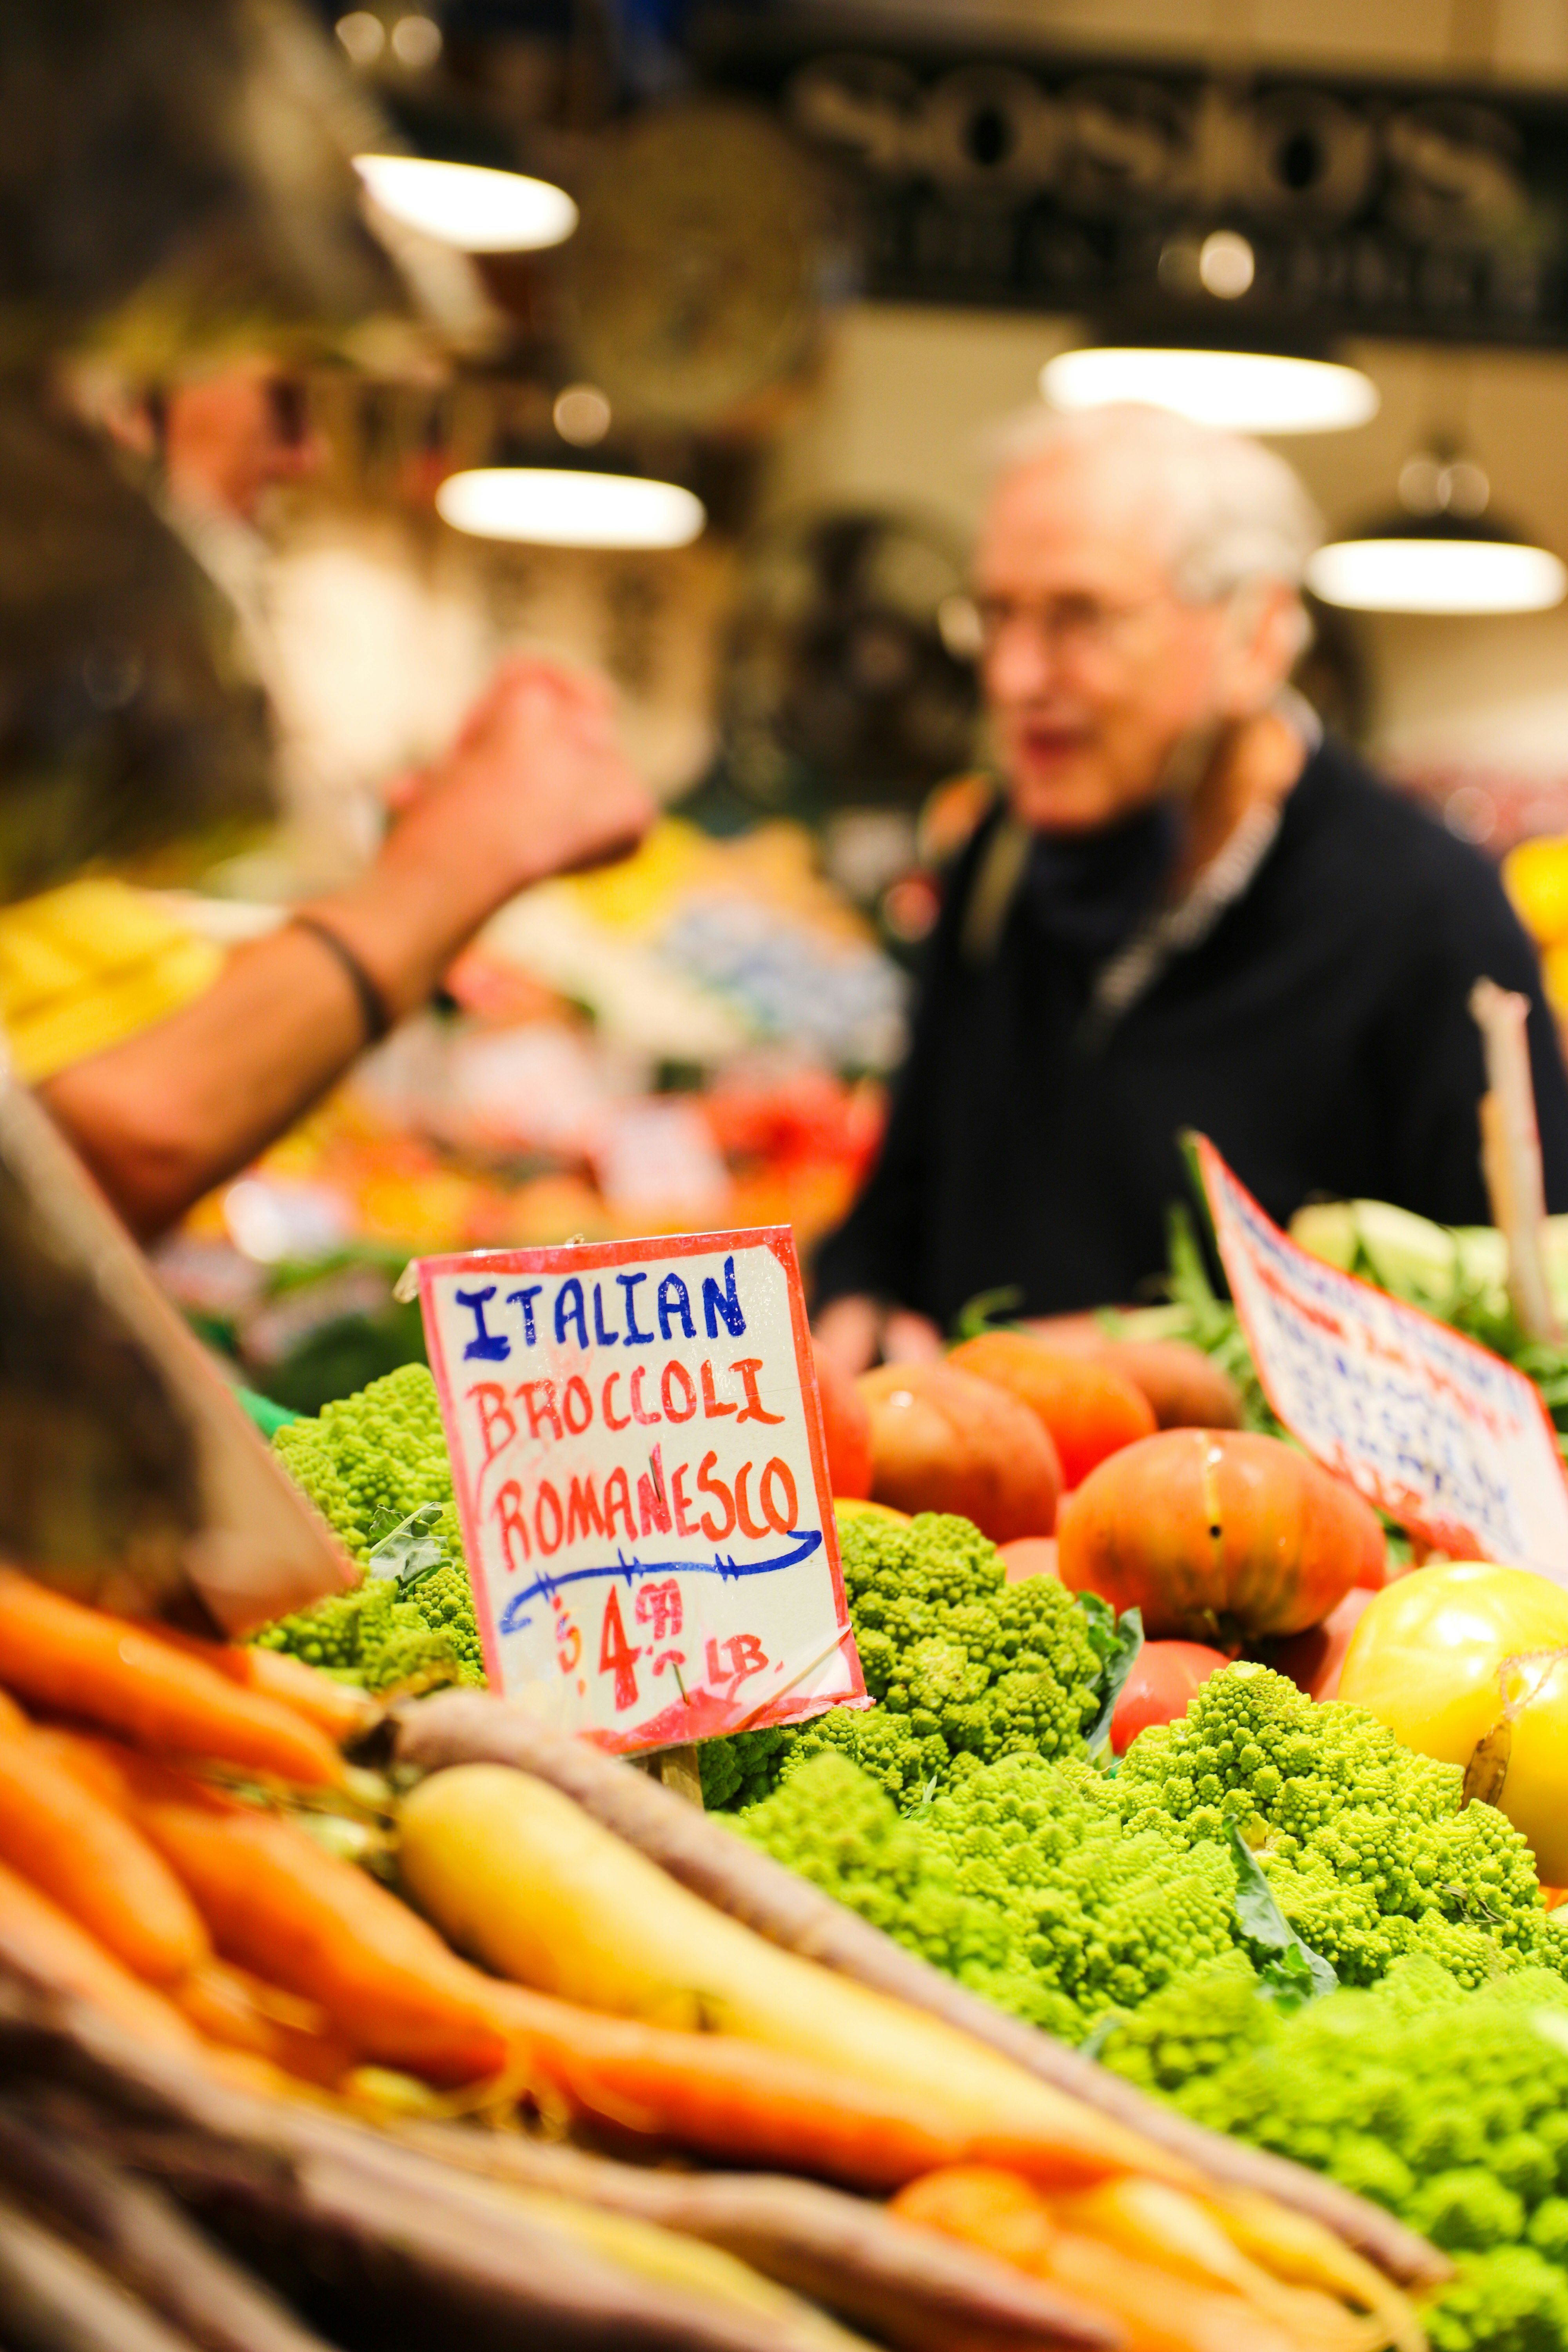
<point x="740" y="1769"/>
<point x="1510" y="2300"/>
<point x="1016" y="1879"/>
<point x="368" y="1463"/>
<point x="889" y="1748"/>
<point x="1370" y="1850"/>
<point x="367" y="1460"/>
<point x="1192" y="2028"/>
<point x="963" y="1664"/>
<point x="380" y="1636"/>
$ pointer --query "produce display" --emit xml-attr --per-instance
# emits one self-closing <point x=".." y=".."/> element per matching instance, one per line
<point x="260" y="2036"/>
<point x="1139" y="1977"/>
<point x="1448" y="2106"/>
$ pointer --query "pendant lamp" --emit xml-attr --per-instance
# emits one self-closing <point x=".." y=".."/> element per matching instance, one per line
<point x="1236" y="391"/>
<point x="1440" y="551"/>
<point x="1227" y="375"/>
<point x="557" y="505"/>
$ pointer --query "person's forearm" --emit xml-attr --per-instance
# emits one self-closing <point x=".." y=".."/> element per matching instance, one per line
<point x="534" y="785"/>
<point x="162" y="1118"/>
<point x="415" y="909"/>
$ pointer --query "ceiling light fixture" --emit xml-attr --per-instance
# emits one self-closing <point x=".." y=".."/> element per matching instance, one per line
<point x="1239" y="391"/>
<point x="1437" y="565"/>
<point x="552" y="506"/>
<point x="468" y="206"/>
<point x="1438" y="555"/>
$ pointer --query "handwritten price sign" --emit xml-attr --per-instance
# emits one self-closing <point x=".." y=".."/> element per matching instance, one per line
<point x="1442" y="1434"/>
<point x="636" y="1446"/>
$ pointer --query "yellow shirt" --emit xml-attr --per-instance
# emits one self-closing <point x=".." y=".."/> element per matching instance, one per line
<point x="84" y="967"/>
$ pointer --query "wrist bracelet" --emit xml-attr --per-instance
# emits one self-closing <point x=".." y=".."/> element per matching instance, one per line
<point x="374" y="1011"/>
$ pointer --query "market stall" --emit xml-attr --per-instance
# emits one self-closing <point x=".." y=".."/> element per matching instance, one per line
<point x="569" y="1776"/>
<point x="1065" y="1986"/>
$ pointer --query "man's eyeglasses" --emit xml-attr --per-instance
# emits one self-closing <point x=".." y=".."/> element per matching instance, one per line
<point x="1071" y="627"/>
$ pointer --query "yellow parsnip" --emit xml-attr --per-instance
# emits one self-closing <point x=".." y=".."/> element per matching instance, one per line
<point x="514" y="1872"/>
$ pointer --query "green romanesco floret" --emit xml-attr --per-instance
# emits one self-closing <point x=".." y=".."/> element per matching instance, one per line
<point x="1193" y="2027"/>
<point x="1448" y="2106"/>
<point x="960" y="1664"/>
<point x="1370" y="1851"/>
<point x="367" y="1460"/>
<point x="1506" y="2301"/>
<point x="1016" y="1879"/>
<point x="368" y="1463"/>
<point x="380" y="1637"/>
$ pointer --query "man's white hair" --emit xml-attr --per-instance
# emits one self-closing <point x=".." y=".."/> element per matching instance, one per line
<point x="1231" y="512"/>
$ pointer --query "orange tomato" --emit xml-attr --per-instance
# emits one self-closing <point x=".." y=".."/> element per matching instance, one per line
<point x="1088" y="1409"/>
<point x="1217" y="1535"/>
<point x="943" y="1442"/>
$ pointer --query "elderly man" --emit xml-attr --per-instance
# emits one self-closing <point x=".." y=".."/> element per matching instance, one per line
<point x="1189" y="911"/>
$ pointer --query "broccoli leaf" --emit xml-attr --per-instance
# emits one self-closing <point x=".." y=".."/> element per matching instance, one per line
<point x="1099" y="2033"/>
<point x="1116" y="1642"/>
<point x="1294" y="1972"/>
<point x="411" y="1550"/>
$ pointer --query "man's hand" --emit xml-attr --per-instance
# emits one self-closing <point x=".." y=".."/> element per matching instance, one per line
<point x="857" y="1332"/>
<point x="535" y="783"/>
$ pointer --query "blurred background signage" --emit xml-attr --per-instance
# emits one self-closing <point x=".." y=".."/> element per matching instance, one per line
<point x="1381" y="207"/>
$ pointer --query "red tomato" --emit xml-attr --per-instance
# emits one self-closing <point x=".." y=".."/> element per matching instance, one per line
<point x="846" y="1428"/>
<point x="1313" y="1660"/>
<point x="1030" y="1556"/>
<point x="1160" y="1687"/>
<point x="943" y="1442"/>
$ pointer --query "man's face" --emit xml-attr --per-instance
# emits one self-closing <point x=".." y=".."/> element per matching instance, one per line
<point x="230" y="437"/>
<point x="1094" y="670"/>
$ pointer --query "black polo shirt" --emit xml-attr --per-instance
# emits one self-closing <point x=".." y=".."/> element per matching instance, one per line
<point x="1319" y="1033"/>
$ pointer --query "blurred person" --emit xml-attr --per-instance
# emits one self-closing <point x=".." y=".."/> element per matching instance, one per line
<point x="1187" y="909"/>
<point x="170" y="1068"/>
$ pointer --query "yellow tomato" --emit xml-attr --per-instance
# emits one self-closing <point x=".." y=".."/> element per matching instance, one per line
<point x="851" y="1507"/>
<point x="1446" y="1656"/>
<point x="1536" y="874"/>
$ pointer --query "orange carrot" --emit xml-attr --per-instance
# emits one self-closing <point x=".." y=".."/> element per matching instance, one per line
<point x="334" y="1708"/>
<point x="12" y="1719"/>
<point x="277" y="1904"/>
<point x="228" y="2005"/>
<point x="97" y="1765"/>
<point x="86" y="1857"/>
<point x="49" y="1944"/>
<point x="719" y="2096"/>
<point x="1160" y="2311"/>
<point x="83" y="1662"/>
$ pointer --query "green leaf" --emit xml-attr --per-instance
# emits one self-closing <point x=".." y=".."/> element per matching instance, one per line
<point x="1189" y="1279"/>
<point x="988" y="1310"/>
<point x="1263" y="1923"/>
<point x="1099" y="2033"/>
<point x="410" y="1551"/>
<point x="1117" y="1642"/>
<point x="1286" y="1981"/>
